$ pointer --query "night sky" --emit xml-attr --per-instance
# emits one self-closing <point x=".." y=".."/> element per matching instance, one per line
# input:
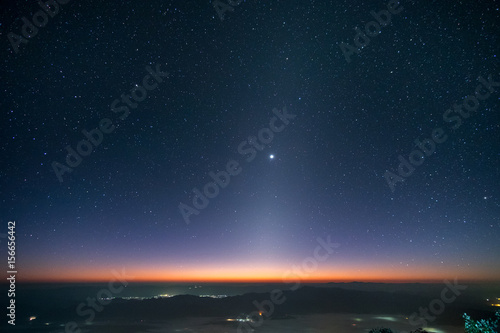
<point x="306" y="122"/>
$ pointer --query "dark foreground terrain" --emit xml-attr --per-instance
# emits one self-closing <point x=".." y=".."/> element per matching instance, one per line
<point x="354" y="307"/>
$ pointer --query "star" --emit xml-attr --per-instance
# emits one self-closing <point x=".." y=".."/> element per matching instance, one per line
<point x="271" y="156"/>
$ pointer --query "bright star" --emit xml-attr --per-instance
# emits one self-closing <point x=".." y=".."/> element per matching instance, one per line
<point x="271" y="156"/>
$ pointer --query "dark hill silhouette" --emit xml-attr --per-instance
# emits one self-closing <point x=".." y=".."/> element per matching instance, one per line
<point x="305" y="300"/>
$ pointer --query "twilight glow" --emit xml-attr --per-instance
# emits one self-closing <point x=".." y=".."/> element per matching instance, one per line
<point x="164" y="142"/>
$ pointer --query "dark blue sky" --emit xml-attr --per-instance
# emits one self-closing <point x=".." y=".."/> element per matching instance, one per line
<point x="119" y="207"/>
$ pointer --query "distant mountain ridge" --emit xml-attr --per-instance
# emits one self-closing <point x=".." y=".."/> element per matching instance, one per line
<point x="305" y="300"/>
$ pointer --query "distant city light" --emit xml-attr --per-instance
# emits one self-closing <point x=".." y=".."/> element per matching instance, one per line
<point x="386" y="318"/>
<point x="433" y="329"/>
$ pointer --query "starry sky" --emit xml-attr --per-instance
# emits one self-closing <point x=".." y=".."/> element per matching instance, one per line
<point x="308" y="122"/>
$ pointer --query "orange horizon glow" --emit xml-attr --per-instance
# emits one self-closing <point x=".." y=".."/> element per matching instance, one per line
<point x="245" y="274"/>
<point x="262" y="281"/>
